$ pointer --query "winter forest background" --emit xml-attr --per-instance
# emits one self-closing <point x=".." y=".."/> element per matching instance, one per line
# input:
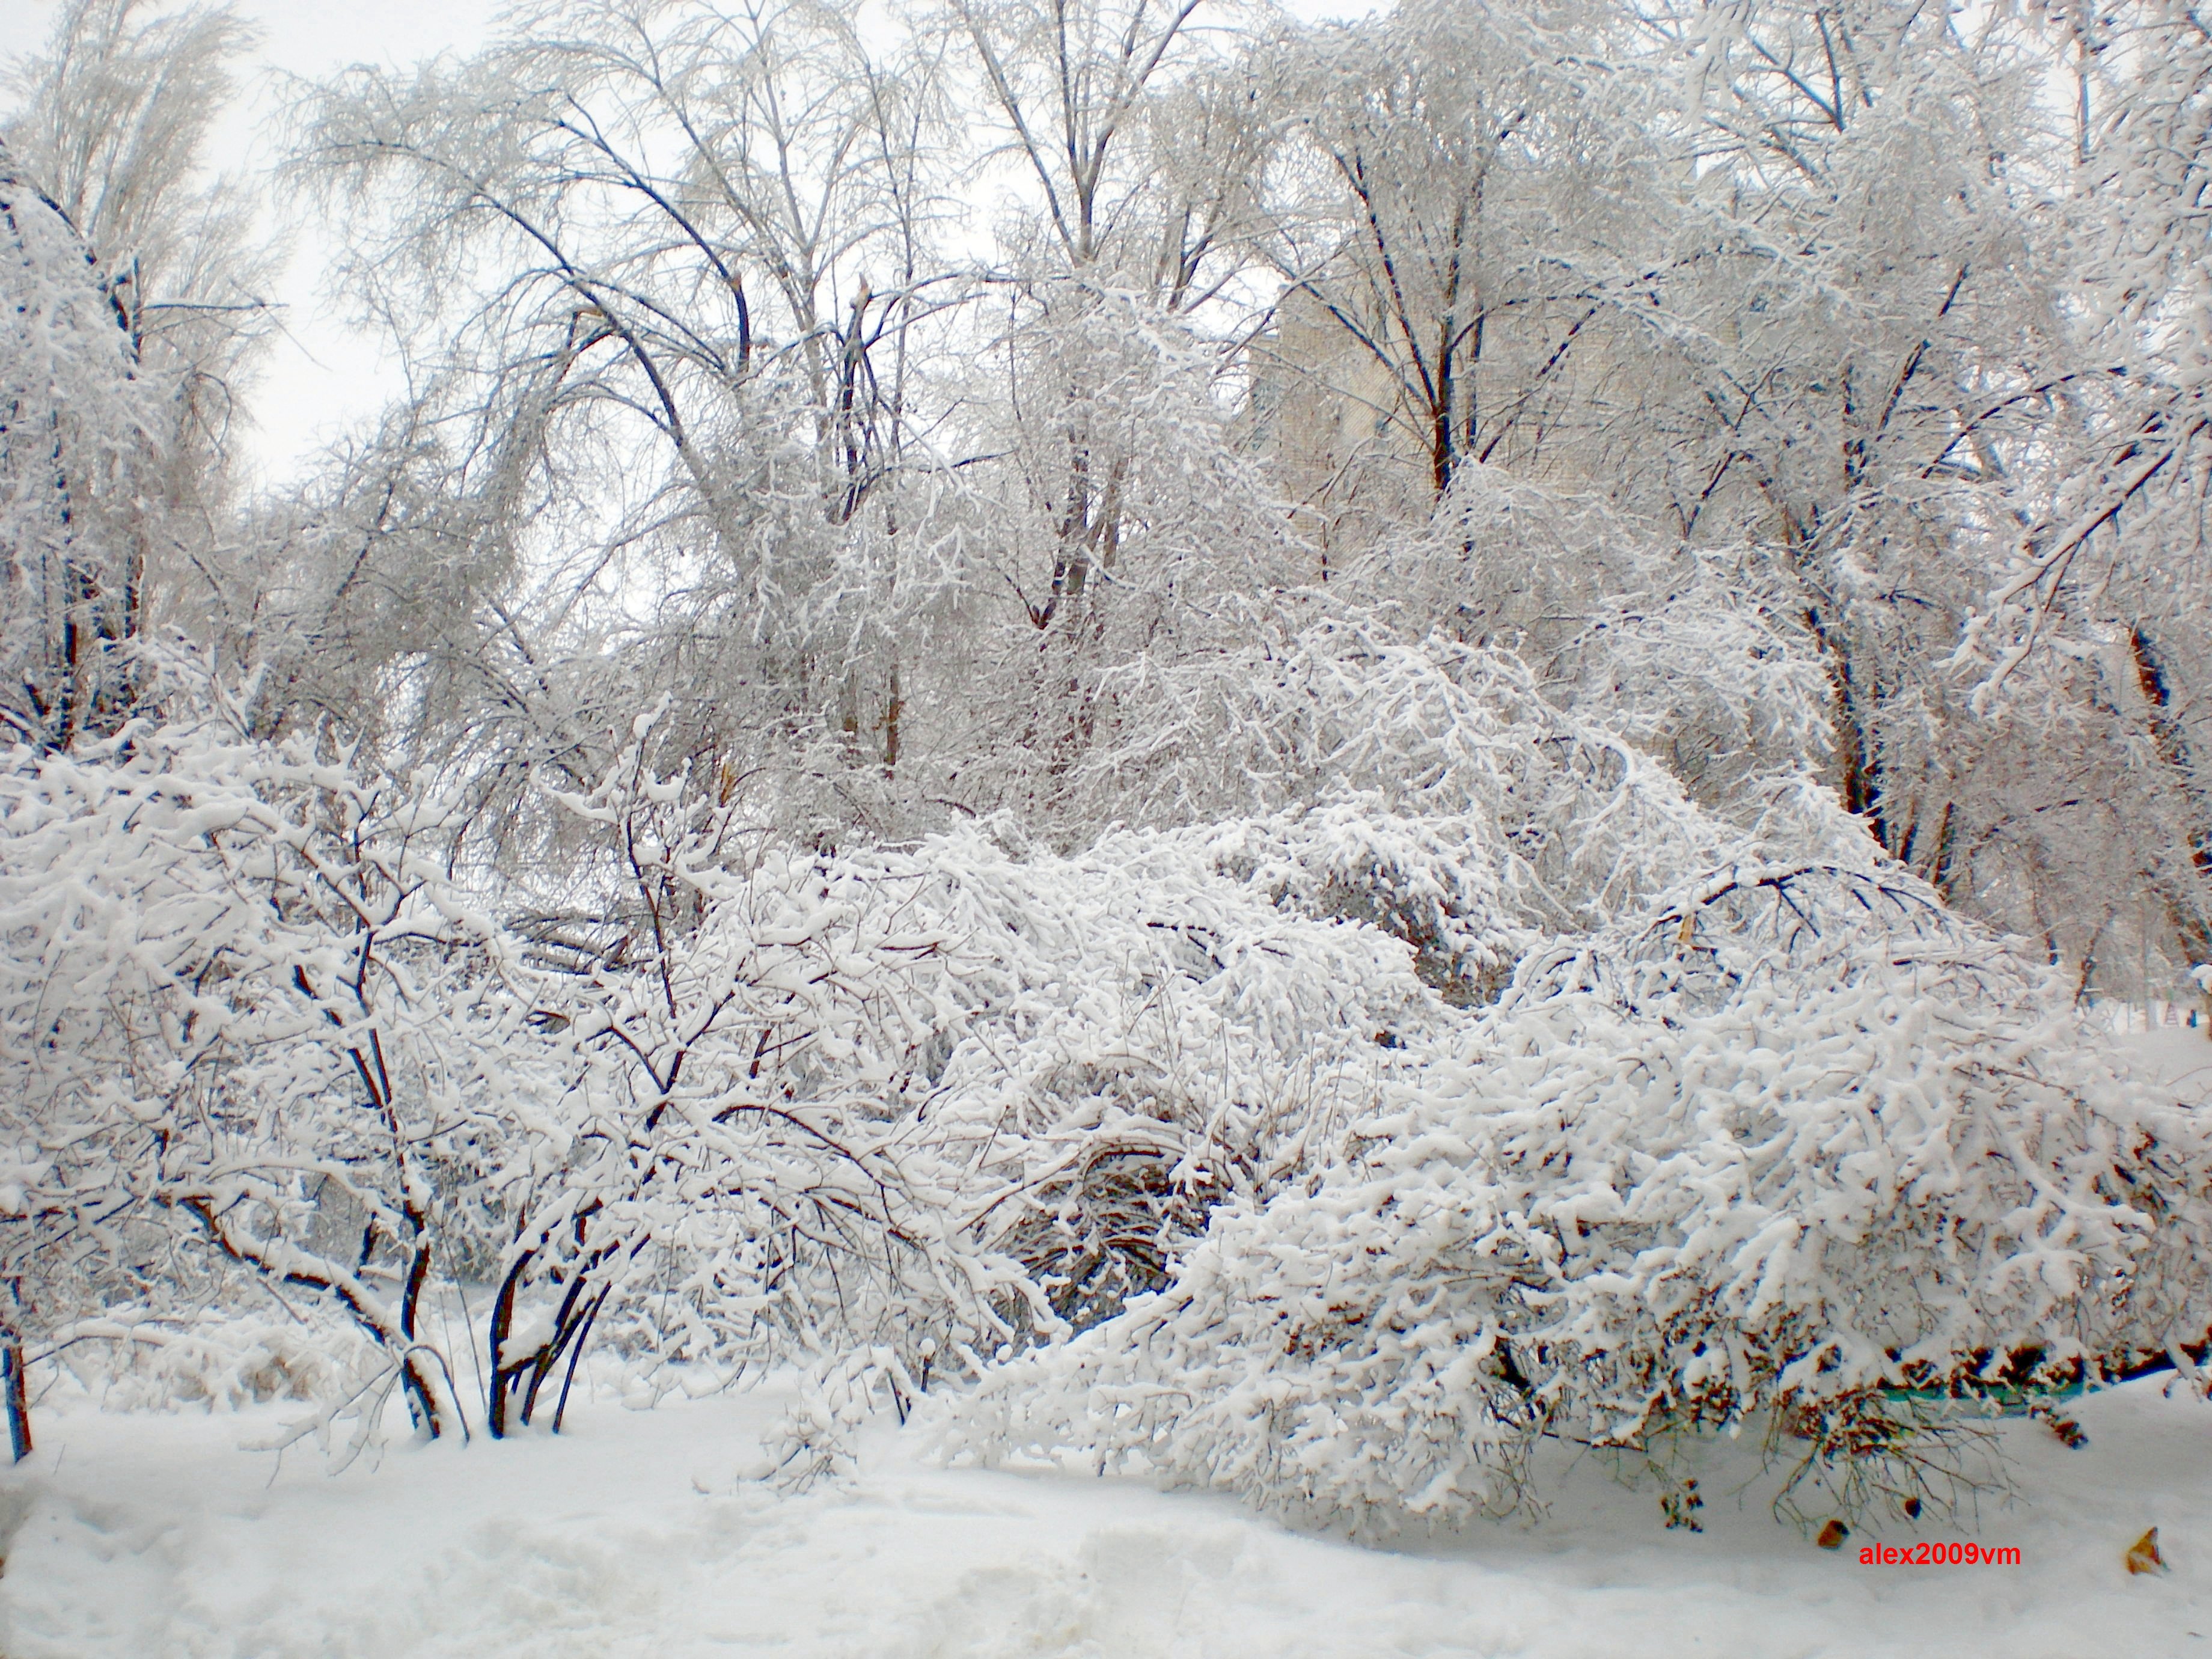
<point x="1290" y="754"/>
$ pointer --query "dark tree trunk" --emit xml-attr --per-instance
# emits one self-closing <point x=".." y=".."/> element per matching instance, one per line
<point x="18" y="1396"/>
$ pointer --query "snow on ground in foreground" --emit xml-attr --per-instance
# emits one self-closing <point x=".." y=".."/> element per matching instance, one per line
<point x="2177" y="1055"/>
<point x="156" y="1536"/>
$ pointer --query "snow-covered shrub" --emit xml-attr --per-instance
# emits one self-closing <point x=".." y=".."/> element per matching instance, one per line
<point x="235" y="993"/>
<point x="1441" y="881"/>
<point x="1143" y="1034"/>
<point x="1441" y="792"/>
<point x="1568" y="823"/>
<point x="1695" y="655"/>
<point x="1704" y="677"/>
<point x="934" y="1098"/>
<point x="813" y="1438"/>
<point x="1795" y="1145"/>
<point x="136" y="1360"/>
<point x="773" y="1103"/>
<point x="736" y="1167"/>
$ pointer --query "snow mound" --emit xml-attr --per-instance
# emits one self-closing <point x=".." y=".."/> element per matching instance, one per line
<point x="626" y="1538"/>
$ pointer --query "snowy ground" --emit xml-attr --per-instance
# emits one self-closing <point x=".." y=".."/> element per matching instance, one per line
<point x="142" y="1534"/>
<point x="2173" y="1053"/>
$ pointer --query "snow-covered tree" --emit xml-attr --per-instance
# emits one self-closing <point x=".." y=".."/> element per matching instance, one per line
<point x="2104" y="573"/>
<point x="111" y="124"/>
<point x="80" y="438"/>
<point x="1467" y="209"/>
<point x="662" y="269"/>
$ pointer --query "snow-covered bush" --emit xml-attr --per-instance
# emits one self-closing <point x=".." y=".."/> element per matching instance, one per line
<point x="239" y="999"/>
<point x="1577" y="823"/>
<point x="738" y="1167"/>
<point x="928" y="1099"/>
<point x="1795" y="1145"/>
<point x="1440" y="791"/>
<point x="924" y="1100"/>
<point x="133" y="1359"/>
<point x="1441" y="881"/>
<point x="1143" y="1033"/>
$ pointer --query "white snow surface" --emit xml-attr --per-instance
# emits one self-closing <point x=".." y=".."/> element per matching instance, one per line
<point x="2178" y="1055"/>
<point x="144" y="1535"/>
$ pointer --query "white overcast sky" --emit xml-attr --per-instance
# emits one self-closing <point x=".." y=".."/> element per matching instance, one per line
<point x="323" y="375"/>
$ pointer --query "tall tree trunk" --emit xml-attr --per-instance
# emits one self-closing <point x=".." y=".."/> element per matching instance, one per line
<point x="17" y="1389"/>
<point x="2185" y="909"/>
